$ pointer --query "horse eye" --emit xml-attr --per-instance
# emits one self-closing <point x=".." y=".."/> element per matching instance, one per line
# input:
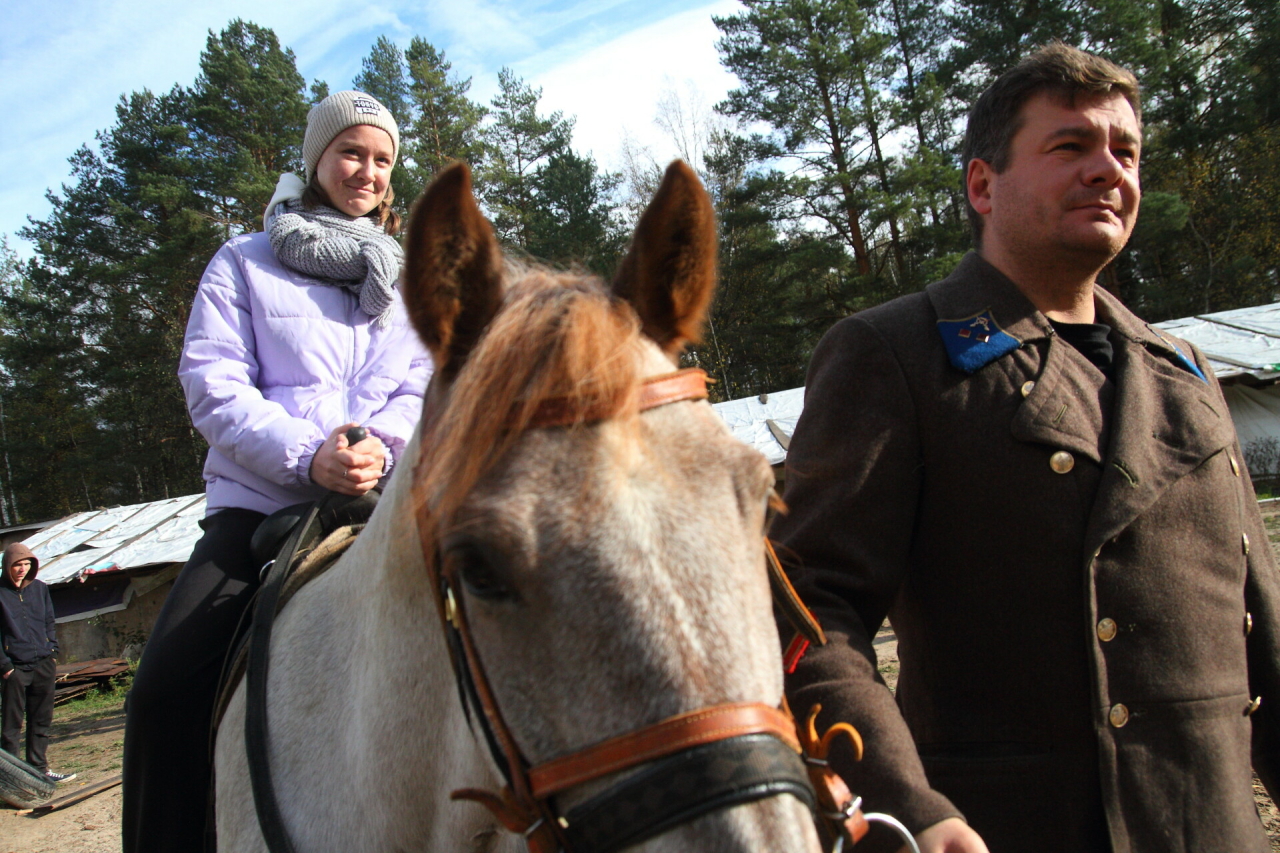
<point x="468" y="563"/>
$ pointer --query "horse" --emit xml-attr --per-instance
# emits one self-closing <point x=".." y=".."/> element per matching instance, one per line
<point x="601" y="532"/>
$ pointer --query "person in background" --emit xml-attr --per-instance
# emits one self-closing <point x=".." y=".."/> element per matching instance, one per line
<point x="1045" y="495"/>
<point x="28" y="643"/>
<point x="297" y="333"/>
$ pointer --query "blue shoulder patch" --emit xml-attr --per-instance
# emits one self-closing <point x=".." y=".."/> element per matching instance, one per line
<point x="1182" y="356"/>
<point x="975" y="342"/>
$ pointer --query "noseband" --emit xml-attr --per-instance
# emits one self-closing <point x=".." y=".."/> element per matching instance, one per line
<point x="700" y="761"/>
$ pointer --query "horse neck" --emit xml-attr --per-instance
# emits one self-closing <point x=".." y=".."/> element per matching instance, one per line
<point x="392" y="556"/>
<point x="405" y="651"/>
<point x="393" y="607"/>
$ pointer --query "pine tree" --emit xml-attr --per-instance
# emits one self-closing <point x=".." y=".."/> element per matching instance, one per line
<point x="520" y="140"/>
<point x="99" y="325"/>
<point x="807" y="69"/>
<point x="92" y="411"/>
<point x="573" y="218"/>
<point x="248" y="114"/>
<point x="988" y="37"/>
<point x="1207" y="233"/>
<point x="770" y="306"/>
<point x="383" y="76"/>
<point x="929" y="180"/>
<point x="46" y="425"/>
<point x="447" y="127"/>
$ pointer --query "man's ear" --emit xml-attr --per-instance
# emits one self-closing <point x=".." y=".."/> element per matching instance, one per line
<point x="977" y="180"/>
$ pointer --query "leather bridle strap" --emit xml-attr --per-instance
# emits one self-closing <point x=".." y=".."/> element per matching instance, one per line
<point x="256" y="729"/>
<point x="685" y="786"/>
<point x="660" y="740"/>
<point x="687" y="384"/>
<point x="517" y="807"/>
<point x="788" y="600"/>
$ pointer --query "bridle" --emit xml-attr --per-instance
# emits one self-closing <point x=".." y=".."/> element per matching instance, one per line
<point x="700" y="761"/>
<point x="688" y="765"/>
<point x="758" y="741"/>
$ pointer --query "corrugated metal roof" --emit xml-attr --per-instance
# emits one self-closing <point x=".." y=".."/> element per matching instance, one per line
<point x="1240" y="342"/>
<point x="118" y="539"/>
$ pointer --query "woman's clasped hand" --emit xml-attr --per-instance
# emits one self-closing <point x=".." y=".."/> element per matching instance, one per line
<point x="348" y="469"/>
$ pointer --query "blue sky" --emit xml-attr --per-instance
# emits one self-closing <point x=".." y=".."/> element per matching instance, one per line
<point x="65" y="63"/>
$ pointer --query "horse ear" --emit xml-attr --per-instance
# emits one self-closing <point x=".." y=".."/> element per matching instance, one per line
<point x="452" y="271"/>
<point x="669" y="274"/>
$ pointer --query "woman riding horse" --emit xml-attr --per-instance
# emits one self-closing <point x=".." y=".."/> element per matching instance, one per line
<point x="297" y="334"/>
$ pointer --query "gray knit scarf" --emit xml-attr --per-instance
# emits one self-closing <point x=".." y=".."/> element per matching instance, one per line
<point x="339" y="250"/>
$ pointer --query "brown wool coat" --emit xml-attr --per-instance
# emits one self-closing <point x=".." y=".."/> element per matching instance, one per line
<point x="926" y="493"/>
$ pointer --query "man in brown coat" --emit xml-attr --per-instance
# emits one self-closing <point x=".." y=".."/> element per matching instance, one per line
<point x="1045" y="495"/>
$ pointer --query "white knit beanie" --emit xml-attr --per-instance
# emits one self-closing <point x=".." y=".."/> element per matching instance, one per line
<point x="335" y="114"/>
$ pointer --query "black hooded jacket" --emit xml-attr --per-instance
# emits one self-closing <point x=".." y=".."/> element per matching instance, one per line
<point x="26" y="615"/>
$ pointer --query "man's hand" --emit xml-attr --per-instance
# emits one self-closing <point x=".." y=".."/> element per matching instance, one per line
<point x="6" y="675"/>
<point x="949" y="836"/>
<point x="348" y="470"/>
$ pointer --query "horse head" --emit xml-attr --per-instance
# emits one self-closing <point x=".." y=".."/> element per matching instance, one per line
<point x="603" y="555"/>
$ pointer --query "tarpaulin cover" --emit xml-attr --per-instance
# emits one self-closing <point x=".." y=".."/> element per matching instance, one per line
<point x="118" y="539"/>
<point x="748" y="419"/>
<point x="1243" y="341"/>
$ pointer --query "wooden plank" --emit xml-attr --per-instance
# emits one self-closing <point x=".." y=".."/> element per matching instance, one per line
<point x="66" y="694"/>
<point x="74" y="797"/>
<point x="91" y="669"/>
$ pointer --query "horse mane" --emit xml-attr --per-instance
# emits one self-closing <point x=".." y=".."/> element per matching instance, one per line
<point x="558" y="336"/>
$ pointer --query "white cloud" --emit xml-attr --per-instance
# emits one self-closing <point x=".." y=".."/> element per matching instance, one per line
<point x="479" y="28"/>
<point x="614" y="89"/>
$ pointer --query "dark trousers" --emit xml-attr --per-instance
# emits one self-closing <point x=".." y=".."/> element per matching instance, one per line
<point x="167" y="746"/>
<point x="29" y="693"/>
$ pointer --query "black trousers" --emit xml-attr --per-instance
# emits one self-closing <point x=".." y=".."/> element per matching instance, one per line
<point x="29" y="693"/>
<point x="167" y="745"/>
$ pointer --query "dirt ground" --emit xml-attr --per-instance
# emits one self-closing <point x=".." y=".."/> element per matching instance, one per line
<point x="88" y="741"/>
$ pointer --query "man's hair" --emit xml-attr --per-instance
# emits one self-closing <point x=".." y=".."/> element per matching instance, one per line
<point x="1058" y="69"/>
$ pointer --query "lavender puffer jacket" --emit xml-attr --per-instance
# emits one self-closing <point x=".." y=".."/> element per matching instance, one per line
<point x="274" y="360"/>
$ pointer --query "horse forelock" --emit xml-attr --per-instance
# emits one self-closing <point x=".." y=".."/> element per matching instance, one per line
<point x="557" y="336"/>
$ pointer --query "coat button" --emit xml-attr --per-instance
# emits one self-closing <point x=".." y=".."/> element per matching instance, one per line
<point x="1107" y="630"/>
<point x="1244" y="542"/>
<point x="1119" y="715"/>
<point x="1235" y="466"/>
<point x="1253" y="706"/>
<point x="1028" y="387"/>
<point x="1248" y="623"/>
<point x="1062" y="462"/>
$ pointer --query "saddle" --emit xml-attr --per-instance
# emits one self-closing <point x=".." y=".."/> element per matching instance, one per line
<point x="292" y="545"/>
